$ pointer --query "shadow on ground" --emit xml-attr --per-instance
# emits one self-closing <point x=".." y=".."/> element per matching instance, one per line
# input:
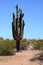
<point x="37" y="57"/>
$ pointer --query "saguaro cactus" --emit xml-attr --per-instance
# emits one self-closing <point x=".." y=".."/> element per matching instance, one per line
<point x="18" y="27"/>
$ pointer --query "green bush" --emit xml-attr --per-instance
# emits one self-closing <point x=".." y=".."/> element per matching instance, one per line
<point x="6" y="47"/>
<point x="37" y="44"/>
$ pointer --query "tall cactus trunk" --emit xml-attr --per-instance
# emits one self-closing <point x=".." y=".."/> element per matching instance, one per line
<point x="18" y="45"/>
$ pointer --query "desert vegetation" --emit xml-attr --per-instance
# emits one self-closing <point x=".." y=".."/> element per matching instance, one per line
<point x="37" y="44"/>
<point x="8" y="47"/>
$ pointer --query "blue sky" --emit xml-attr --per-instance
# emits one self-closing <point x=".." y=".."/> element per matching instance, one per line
<point x="33" y="17"/>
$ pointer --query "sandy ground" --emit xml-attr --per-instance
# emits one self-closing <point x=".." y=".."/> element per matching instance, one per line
<point x="21" y="58"/>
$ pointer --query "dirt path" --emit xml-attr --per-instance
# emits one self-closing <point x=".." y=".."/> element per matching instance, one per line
<point x="20" y="58"/>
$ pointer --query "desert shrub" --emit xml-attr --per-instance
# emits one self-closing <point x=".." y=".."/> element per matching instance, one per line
<point x="37" y="44"/>
<point x="28" y="42"/>
<point x="23" y="45"/>
<point x="24" y="40"/>
<point x="13" y="43"/>
<point x="1" y="38"/>
<point x="6" y="47"/>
